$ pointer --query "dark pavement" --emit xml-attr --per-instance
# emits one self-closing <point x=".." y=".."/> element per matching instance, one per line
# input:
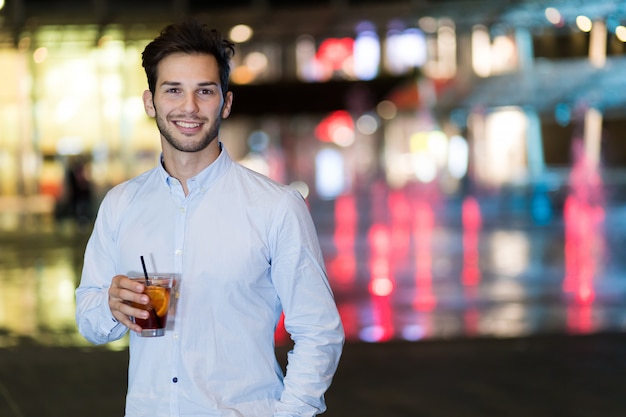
<point x="543" y="375"/>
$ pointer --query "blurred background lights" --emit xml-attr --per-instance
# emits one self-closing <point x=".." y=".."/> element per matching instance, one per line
<point x="413" y="332"/>
<point x="481" y="51"/>
<point x="256" y="162"/>
<point x="419" y="142"/>
<point x="334" y="54"/>
<point x="554" y="16"/>
<point x="258" y="141"/>
<point x="562" y="114"/>
<point x="102" y="42"/>
<point x="240" y="33"/>
<point x="372" y="333"/>
<point x="458" y="157"/>
<point x="424" y="167"/>
<point x="256" y="62"/>
<point x="70" y="145"/>
<point x="242" y="75"/>
<point x="253" y="66"/>
<point x="367" y="124"/>
<point x="620" y="32"/>
<point x="305" y="58"/>
<point x="40" y="55"/>
<point x="366" y="54"/>
<point x="67" y="109"/>
<point x="386" y="109"/>
<point x="428" y="24"/>
<point x="405" y="50"/>
<point x="343" y="136"/>
<point x="1" y="4"/>
<point x="438" y="146"/>
<point x="329" y="174"/>
<point x="338" y="128"/>
<point x="24" y="43"/>
<point x="584" y="23"/>
<point x="302" y="188"/>
<point x="502" y="52"/>
<point x="381" y="287"/>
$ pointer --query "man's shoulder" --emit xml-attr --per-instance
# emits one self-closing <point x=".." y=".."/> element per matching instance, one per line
<point x="257" y="181"/>
<point x="130" y="187"/>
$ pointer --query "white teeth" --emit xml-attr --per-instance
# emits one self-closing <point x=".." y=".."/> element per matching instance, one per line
<point x="187" y="125"/>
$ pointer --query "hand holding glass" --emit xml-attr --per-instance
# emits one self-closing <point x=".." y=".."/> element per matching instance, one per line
<point x="158" y="289"/>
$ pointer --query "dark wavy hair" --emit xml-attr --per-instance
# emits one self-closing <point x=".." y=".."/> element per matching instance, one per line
<point x="189" y="37"/>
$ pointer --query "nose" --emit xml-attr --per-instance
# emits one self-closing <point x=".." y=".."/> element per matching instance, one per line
<point x="190" y="105"/>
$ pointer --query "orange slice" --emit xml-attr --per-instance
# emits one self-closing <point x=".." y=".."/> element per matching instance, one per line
<point x="160" y="299"/>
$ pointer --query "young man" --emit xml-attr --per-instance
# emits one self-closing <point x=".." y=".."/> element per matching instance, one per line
<point x="244" y="247"/>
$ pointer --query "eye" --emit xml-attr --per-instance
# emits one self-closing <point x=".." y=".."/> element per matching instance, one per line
<point x="172" y="90"/>
<point x="206" y="91"/>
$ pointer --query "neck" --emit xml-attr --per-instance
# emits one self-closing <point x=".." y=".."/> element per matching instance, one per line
<point x="186" y="165"/>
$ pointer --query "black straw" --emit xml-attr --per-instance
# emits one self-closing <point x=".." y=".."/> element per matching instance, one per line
<point x="145" y="271"/>
<point x="152" y="310"/>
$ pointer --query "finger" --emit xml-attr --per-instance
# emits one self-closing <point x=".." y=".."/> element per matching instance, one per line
<point x="124" y="313"/>
<point x="122" y="292"/>
<point x="124" y="289"/>
<point x="122" y="282"/>
<point x="126" y="321"/>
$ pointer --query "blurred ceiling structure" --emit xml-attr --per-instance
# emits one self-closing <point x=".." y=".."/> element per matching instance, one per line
<point x="570" y="86"/>
<point x="270" y="17"/>
<point x="543" y="86"/>
<point x="278" y="14"/>
<point x="278" y="19"/>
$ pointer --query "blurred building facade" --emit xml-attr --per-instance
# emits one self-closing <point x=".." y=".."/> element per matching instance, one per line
<point x="331" y="96"/>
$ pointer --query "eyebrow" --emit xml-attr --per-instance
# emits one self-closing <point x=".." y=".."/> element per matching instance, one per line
<point x="177" y="83"/>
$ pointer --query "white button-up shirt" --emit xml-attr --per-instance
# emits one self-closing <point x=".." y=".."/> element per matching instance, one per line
<point x="245" y="250"/>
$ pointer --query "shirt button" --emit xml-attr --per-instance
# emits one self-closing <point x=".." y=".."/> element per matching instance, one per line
<point x="182" y="209"/>
<point x="178" y="252"/>
<point x="175" y="336"/>
<point x="174" y="380"/>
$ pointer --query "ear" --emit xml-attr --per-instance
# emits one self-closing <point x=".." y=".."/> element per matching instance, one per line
<point x="148" y="103"/>
<point x="228" y="103"/>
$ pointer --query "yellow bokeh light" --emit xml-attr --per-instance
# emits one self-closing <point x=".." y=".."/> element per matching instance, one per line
<point x="620" y="32"/>
<point x="242" y="75"/>
<point x="40" y="55"/>
<point x="256" y="61"/>
<point x="240" y="33"/>
<point x="584" y="23"/>
<point x="419" y="142"/>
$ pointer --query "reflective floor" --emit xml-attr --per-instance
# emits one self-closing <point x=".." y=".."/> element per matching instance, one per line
<point x="422" y="270"/>
<point x="404" y="265"/>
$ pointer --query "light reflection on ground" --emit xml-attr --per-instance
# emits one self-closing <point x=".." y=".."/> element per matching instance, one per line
<point x="408" y="271"/>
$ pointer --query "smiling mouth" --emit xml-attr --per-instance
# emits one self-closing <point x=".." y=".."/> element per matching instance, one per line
<point x="188" y="125"/>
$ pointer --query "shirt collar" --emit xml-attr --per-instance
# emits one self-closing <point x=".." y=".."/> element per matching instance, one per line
<point x="206" y="177"/>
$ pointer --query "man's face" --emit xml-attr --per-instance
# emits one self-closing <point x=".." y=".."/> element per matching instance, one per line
<point x="188" y="103"/>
